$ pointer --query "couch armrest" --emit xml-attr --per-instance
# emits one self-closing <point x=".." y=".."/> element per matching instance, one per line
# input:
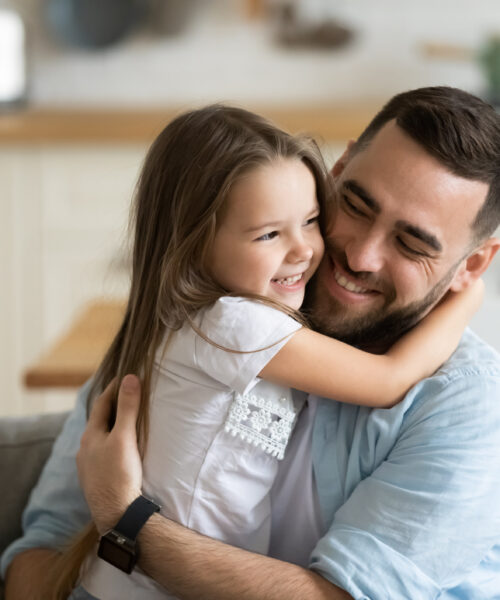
<point x="25" y="444"/>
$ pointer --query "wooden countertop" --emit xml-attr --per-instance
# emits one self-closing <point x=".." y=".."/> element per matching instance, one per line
<point x="74" y="357"/>
<point x="334" y="122"/>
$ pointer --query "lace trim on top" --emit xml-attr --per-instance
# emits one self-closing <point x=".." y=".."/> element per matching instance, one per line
<point x="261" y="421"/>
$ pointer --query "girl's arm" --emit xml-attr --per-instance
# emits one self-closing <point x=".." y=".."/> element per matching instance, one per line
<point x="326" y="367"/>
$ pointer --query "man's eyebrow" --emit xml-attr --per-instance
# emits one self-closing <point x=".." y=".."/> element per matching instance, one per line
<point x="359" y="191"/>
<point x="419" y="233"/>
<point x="413" y="230"/>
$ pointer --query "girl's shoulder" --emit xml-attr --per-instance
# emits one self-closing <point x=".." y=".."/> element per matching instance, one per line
<point x="243" y="313"/>
<point x="233" y="319"/>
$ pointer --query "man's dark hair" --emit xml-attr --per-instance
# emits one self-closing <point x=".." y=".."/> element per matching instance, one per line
<point x="458" y="129"/>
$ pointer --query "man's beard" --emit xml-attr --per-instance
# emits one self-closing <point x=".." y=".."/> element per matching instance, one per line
<point x="375" y="331"/>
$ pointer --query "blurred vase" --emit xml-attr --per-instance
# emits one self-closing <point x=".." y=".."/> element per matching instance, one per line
<point x="94" y="24"/>
<point x="490" y="62"/>
<point x="172" y="17"/>
<point x="12" y="56"/>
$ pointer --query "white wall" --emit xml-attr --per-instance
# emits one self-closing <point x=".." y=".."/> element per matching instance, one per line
<point x="63" y="218"/>
<point x="223" y="56"/>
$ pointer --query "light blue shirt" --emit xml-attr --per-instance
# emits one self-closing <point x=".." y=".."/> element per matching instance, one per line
<point x="412" y="494"/>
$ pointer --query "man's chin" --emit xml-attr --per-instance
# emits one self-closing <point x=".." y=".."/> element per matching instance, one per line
<point x="375" y="331"/>
<point x="366" y="331"/>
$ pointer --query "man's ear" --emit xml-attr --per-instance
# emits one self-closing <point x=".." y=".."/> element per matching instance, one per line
<point x="341" y="162"/>
<point x="475" y="265"/>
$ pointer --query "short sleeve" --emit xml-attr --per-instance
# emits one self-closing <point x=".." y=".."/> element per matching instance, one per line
<point x="57" y="508"/>
<point x="249" y="334"/>
<point x="428" y="515"/>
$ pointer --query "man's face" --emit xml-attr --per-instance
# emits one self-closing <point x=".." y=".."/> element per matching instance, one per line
<point x="398" y="242"/>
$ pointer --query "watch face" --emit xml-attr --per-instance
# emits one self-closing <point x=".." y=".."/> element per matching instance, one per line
<point x="117" y="550"/>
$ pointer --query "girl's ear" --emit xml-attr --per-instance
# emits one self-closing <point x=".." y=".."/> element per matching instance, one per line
<point x="341" y="162"/>
<point x="475" y="265"/>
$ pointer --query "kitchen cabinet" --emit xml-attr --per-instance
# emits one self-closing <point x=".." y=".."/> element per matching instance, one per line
<point x="63" y="216"/>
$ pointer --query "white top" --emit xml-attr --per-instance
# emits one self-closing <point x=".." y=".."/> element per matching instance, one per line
<point x="216" y="434"/>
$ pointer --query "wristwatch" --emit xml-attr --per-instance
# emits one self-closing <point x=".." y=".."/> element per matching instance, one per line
<point x="118" y="546"/>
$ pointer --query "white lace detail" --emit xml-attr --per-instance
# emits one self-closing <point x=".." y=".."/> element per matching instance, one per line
<point x="262" y="421"/>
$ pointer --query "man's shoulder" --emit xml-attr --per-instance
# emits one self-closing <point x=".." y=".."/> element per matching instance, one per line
<point x="472" y="356"/>
<point x="463" y="391"/>
<point x="468" y="382"/>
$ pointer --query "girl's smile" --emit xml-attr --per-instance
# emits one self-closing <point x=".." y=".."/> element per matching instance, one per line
<point x="268" y="241"/>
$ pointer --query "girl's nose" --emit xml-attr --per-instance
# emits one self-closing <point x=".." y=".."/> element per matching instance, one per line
<point x="301" y="251"/>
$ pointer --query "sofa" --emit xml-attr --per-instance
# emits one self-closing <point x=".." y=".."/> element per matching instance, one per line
<point x="25" y="444"/>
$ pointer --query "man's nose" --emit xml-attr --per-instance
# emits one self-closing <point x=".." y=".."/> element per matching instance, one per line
<point x="365" y="254"/>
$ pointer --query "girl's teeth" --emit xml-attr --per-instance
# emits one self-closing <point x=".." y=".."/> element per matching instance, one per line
<point x="348" y="285"/>
<point x="289" y="280"/>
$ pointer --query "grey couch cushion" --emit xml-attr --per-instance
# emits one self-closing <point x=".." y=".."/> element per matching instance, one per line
<point x="25" y="444"/>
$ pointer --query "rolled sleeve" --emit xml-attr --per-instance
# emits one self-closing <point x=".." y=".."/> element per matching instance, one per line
<point x="429" y="513"/>
<point x="56" y="509"/>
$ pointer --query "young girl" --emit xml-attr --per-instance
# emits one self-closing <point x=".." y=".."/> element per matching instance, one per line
<point x="228" y="218"/>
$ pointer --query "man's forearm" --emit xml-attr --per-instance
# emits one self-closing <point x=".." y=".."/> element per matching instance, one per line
<point x="193" y="567"/>
<point x="27" y="574"/>
<point x="187" y="564"/>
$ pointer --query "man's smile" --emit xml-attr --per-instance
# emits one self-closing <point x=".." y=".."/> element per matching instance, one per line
<point x="343" y="286"/>
<point x="348" y="285"/>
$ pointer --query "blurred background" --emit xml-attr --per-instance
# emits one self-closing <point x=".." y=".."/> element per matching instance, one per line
<point x="85" y="85"/>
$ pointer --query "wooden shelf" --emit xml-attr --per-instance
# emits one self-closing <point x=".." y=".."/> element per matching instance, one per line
<point x="55" y="126"/>
<point x="75" y="356"/>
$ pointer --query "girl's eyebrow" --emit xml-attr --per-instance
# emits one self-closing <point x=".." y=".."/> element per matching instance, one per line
<point x="262" y="226"/>
<point x="313" y="211"/>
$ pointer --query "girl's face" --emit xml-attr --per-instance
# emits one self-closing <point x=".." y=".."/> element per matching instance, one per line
<point x="269" y="242"/>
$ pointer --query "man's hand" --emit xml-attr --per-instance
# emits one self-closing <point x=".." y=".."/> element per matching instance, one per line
<point x="109" y="464"/>
<point x="189" y="565"/>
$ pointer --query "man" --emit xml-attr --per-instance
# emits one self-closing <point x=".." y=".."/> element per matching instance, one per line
<point x="400" y="503"/>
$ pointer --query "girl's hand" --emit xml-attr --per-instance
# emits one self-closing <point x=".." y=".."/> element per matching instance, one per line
<point x="109" y="464"/>
<point x="472" y="296"/>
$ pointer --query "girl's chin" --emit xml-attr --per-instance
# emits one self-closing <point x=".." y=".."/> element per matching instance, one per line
<point x="293" y="300"/>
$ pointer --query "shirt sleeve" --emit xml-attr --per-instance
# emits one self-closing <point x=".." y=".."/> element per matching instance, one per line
<point x="430" y="513"/>
<point x="56" y="509"/>
<point x="250" y="334"/>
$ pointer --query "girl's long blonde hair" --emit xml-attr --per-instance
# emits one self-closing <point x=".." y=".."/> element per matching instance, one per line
<point x="182" y="190"/>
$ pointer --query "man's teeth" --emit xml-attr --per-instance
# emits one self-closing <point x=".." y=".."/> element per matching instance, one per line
<point x="348" y="285"/>
<point x="288" y="280"/>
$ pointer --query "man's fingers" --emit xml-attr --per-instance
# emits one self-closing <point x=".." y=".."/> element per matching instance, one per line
<point x="101" y="409"/>
<point x="129" y="400"/>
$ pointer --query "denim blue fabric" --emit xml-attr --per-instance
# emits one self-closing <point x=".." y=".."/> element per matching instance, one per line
<point x="80" y="594"/>
<point x="412" y="492"/>
<point x="56" y="509"/>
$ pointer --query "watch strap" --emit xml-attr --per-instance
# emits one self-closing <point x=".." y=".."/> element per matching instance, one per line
<point x="135" y="516"/>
